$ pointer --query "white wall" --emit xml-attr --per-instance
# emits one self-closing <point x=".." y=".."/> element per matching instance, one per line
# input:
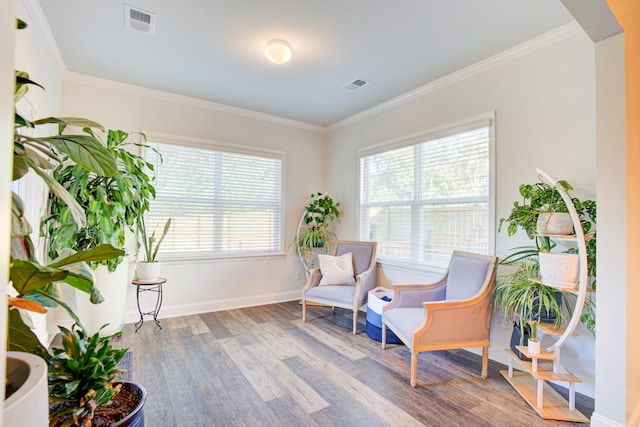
<point x="612" y="294"/>
<point x="544" y="103"/>
<point x="201" y="286"/>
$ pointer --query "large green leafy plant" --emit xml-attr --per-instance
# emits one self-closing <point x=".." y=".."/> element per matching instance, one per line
<point x="33" y="284"/>
<point x="112" y="204"/>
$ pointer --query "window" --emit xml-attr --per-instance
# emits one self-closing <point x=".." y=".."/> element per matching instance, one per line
<point x="425" y="196"/>
<point x="222" y="203"/>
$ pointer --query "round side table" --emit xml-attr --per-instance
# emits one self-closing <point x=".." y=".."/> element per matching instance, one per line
<point x="149" y="286"/>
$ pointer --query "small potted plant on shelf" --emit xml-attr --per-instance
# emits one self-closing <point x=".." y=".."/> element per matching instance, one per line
<point x="149" y="268"/>
<point x="534" y="343"/>
<point x="313" y="232"/>
<point x="84" y="385"/>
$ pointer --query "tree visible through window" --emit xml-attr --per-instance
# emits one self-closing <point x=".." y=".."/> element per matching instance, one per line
<point x="222" y="203"/>
<point x="424" y="198"/>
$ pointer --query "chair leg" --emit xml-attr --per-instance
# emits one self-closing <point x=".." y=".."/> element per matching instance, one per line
<point x="304" y="311"/>
<point x="414" y="368"/>
<point x="355" y="321"/>
<point x="384" y="336"/>
<point x="485" y="361"/>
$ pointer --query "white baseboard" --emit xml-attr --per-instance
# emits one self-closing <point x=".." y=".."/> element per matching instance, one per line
<point x="598" y="420"/>
<point x="132" y="316"/>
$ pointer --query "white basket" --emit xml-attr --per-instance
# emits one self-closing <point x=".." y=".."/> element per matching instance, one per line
<point x="375" y="301"/>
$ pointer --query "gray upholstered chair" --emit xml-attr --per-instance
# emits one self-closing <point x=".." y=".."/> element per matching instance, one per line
<point x="454" y="312"/>
<point x="352" y="296"/>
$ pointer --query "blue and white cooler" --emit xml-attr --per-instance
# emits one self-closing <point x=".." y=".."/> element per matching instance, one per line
<point x="378" y="297"/>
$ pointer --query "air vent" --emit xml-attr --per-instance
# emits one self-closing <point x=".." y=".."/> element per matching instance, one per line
<point x="356" y="84"/>
<point x="140" y="20"/>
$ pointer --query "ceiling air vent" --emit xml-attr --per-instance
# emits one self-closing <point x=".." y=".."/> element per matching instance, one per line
<point x="140" y="20"/>
<point x="355" y="84"/>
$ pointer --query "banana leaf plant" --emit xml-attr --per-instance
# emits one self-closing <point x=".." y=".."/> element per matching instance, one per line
<point x="34" y="285"/>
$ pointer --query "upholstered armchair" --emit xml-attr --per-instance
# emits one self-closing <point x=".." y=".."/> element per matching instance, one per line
<point x="346" y="292"/>
<point x="454" y="312"/>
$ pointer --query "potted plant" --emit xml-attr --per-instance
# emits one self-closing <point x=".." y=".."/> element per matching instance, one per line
<point x="149" y="268"/>
<point x="84" y="386"/>
<point x="313" y="232"/>
<point x="522" y="299"/>
<point x="533" y="345"/>
<point x="534" y="216"/>
<point x="113" y="205"/>
<point x="31" y="288"/>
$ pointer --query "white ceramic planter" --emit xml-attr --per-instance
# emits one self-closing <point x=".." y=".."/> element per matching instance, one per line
<point x="554" y="223"/>
<point x="29" y="405"/>
<point x="148" y="270"/>
<point x="113" y="287"/>
<point x="559" y="270"/>
<point x="534" y="346"/>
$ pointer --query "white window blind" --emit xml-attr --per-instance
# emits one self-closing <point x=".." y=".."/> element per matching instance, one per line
<point x="421" y="199"/>
<point x="221" y="203"/>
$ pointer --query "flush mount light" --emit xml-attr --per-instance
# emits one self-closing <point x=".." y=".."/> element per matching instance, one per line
<point x="278" y="51"/>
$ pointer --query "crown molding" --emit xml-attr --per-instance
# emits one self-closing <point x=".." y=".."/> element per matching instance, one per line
<point x="39" y="22"/>
<point x="187" y="100"/>
<point x="549" y="38"/>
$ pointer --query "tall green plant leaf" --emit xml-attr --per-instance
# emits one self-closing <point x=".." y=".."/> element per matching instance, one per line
<point x="20" y="337"/>
<point x="27" y="276"/>
<point x="86" y="151"/>
<point x="98" y="253"/>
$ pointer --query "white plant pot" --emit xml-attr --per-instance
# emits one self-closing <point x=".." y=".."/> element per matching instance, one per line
<point x="148" y="270"/>
<point x="113" y="287"/>
<point x="534" y="346"/>
<point x="29" y="405"/>
<point x="559" y="270"/>
<point x="554" y="223"/>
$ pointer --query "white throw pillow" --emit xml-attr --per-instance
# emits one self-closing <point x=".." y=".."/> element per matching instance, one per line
<point x="336" y="270"/>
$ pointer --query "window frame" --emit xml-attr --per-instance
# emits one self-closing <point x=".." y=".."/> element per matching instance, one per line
<point x="488" y="119"/>
<point x="215" y="145"/>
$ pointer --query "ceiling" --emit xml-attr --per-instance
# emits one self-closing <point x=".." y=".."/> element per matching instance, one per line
<point x="213" y="49"/>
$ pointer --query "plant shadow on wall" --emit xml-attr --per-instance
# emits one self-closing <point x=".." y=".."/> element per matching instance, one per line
<point x="541" y="215"/>
<point x="313" y="233"/>
<point x="35" y="287"/>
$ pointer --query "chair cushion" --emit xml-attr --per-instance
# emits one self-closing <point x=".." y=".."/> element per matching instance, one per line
<point x="340" y="294"/>
<point x="336" y="270"/>
<point x="466" y="276"/>
<point x="404" y="321"/>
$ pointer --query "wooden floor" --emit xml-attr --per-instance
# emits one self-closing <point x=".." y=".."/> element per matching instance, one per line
<point x="262" y="366"/>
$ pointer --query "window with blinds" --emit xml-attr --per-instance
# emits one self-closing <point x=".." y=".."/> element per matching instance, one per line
<point x="422" y="198"/>
<point x="221" y="203"/>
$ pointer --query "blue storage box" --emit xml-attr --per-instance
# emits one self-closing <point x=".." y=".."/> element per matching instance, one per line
<point x="377" y="298"/>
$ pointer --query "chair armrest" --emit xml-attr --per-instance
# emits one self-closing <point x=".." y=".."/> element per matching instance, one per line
<point x="365" y="282"/>
<point x="414" y="295"/>
<point x="312" y="280"/>
<point x="461" y="320"/>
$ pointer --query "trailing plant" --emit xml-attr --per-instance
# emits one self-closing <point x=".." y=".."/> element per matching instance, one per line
<point x="81" y="376"/>
<point x="32" y="284"/>
<point x="150" y="246"/>
<point x="112" y="203"/>
<point x="319" y="212"/>
<point x="522" y="300"/>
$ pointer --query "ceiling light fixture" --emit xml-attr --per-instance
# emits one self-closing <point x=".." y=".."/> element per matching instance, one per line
<point x="278" y="51"/>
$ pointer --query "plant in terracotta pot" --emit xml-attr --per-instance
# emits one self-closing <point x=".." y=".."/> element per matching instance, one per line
<point x="84" y="385"/>
<point x="313" y="231"/>
<point x="149" y="267"/>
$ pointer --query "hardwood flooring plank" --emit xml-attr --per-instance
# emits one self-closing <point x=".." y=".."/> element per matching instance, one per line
<point x="339" y="345"/>
<point x="215" y="325"/>
<point x="198" y="326"/>
<point x="304" y="396"/>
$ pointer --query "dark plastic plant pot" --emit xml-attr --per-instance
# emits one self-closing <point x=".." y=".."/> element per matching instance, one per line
<point x="136" y="417"/>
